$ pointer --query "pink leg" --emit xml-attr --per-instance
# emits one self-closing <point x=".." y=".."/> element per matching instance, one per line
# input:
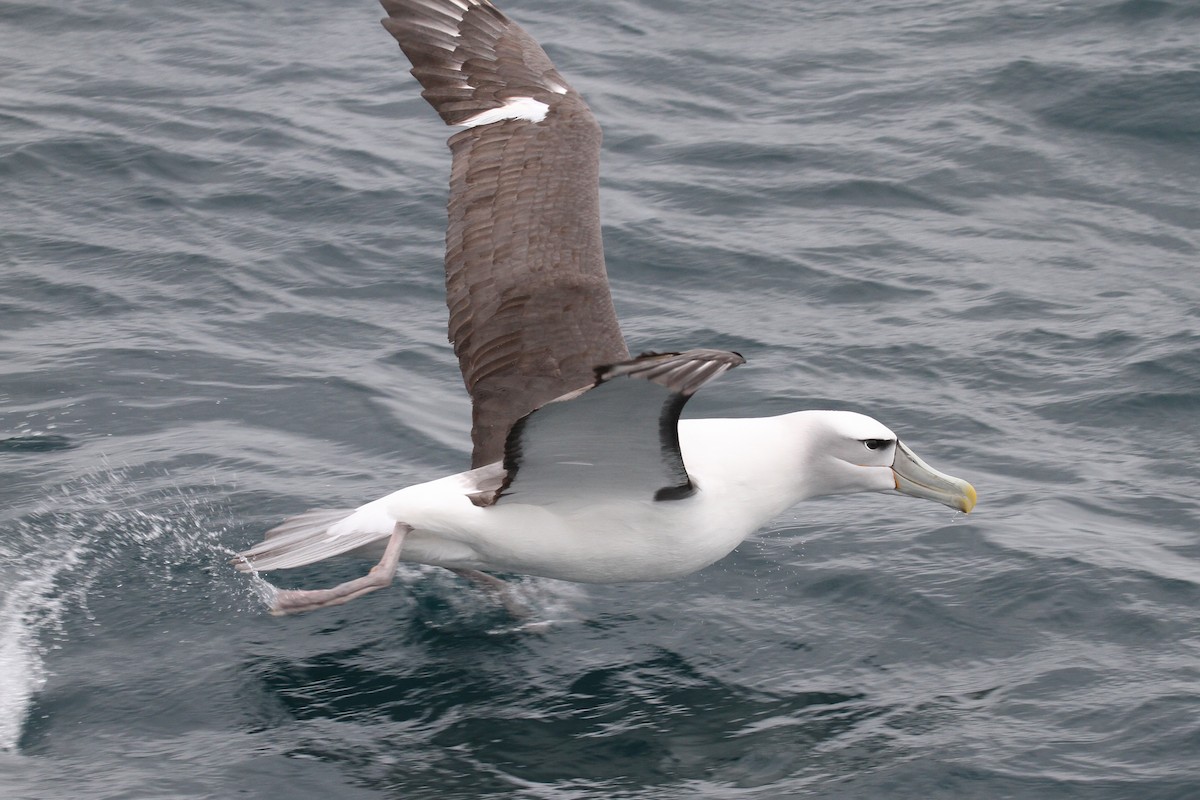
<point x="297" y="601"/>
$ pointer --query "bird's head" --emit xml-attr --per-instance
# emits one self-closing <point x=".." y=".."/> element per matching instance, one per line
<point x="849" y="452"/>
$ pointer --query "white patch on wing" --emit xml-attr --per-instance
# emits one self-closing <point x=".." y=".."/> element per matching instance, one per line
<point x="515" y="108"/>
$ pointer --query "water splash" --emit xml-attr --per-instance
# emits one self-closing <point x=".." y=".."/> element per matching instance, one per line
<point x="59" y="551"/>
<point x="28" y="607"/>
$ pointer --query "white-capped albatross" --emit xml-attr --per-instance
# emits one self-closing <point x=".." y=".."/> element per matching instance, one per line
<point x="581" y="467"/>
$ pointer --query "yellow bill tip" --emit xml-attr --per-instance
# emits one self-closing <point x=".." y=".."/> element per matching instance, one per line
<point x="969" y="497"/>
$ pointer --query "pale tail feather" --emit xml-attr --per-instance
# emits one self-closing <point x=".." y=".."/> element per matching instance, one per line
<point x="306" y="538"/>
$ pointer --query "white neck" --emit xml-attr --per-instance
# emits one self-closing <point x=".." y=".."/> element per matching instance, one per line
<point x="746" y="463"/>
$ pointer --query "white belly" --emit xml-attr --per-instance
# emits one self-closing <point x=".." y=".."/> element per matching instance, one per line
<point x="606" y="542"/>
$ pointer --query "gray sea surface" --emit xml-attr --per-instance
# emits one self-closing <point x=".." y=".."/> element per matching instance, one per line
<point x="221" y="303"/>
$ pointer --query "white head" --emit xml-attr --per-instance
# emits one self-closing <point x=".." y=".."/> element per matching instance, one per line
<point x="843" y="452"/>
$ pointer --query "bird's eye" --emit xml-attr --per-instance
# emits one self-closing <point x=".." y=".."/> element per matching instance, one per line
<point x="876" y="444"/>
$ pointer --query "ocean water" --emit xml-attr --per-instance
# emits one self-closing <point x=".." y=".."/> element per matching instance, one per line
<point x="220" y="303"/>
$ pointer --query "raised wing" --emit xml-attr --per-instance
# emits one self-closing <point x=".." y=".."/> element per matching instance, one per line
<point x="619" y="437"/>
<point x="531" y="315"/>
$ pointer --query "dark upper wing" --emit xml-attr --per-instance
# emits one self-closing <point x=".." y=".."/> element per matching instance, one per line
<point x="618" y="437"/>
<point x="530" y="310"/>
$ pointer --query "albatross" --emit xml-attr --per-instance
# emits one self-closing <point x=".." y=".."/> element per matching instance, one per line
<point x="581" y="468"/>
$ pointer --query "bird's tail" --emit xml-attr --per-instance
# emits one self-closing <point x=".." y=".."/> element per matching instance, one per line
<point x="305" y="538"/>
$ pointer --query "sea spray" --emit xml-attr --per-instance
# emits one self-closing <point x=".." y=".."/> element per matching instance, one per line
<point x="59" y="553"/>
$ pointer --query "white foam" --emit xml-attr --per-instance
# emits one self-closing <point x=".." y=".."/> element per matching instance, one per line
<point x="28" y="607"/>
<point x="21" y="671"/>
<point x="51" y="556"/>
